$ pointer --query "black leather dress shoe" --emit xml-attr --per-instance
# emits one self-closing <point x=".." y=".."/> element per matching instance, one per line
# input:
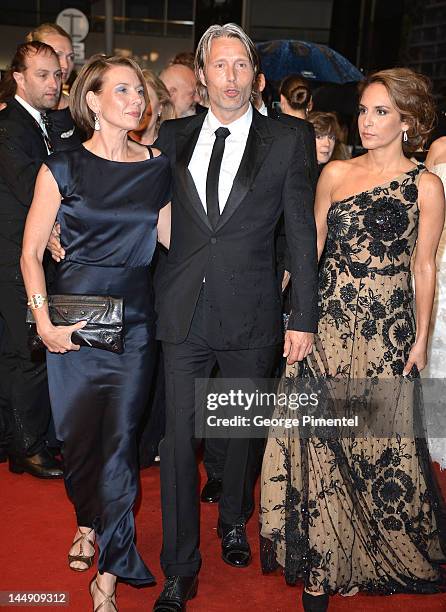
<point x="177" y="591"/>
<point x="40" y="465"/>
<point x="211" y="491"/>
<point x="314" y="603"/>
<point x="235" y="549"/>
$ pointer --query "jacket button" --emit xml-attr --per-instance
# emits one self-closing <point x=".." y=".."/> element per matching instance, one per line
<point x="213" y="240"/>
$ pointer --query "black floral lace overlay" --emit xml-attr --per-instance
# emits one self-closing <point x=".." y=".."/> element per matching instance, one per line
<point x="355" y="512"/>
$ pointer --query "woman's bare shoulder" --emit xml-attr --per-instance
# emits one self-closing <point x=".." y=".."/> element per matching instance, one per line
<point x="337" y="170"/>
<point x="139" y="151"/>
<point x="437" y="152"/>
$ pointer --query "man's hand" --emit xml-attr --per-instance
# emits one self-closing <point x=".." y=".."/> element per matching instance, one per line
<point x="57" y="252"/>
<point x="297" y="345"/>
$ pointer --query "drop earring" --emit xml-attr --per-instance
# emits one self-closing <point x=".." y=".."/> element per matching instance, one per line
<point x="97" y="125"/>
<point x="405" y="138"/>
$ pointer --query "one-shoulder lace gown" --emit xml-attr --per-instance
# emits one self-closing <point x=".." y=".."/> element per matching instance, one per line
<point x="108" y="216"/>
<point x="360" y="512"/>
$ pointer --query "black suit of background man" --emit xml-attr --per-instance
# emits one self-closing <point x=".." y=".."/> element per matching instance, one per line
<point x="23" y="384"/>
<point x="307" y="129"/>
<point x="234" y="317"/>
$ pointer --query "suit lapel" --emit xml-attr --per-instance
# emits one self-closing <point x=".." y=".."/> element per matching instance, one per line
<point x="30" y="121"/>
<point x="185" y="145"/>
<point x="257" y="147"/>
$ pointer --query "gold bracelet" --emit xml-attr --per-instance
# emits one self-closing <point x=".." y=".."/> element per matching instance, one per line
<point x="37" y="300"/>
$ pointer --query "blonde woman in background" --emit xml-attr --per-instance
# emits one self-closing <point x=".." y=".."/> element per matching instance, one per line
<point x="159" y="109"/>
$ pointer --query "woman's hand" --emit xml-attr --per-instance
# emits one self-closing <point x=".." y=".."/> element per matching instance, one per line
<point x="417" y="357"/>
<point x="57" y="338"/>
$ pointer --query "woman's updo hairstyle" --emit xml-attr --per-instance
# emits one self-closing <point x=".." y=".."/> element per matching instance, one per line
<point x="296" y="90"/>
<point x="411" y="94"/>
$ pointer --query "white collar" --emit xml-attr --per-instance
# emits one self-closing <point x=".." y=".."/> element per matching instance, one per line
<point x="31" y="110"/>
<point x="240" y="125"/>
<point x="263" y="110"/>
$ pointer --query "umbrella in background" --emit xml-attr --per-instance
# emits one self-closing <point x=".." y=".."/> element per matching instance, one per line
<point x="279" y="58"/>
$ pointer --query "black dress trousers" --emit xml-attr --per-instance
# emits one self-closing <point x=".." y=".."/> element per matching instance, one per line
<point x="194" y="358"/>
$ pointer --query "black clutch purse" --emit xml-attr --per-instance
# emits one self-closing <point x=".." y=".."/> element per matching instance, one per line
<point x="104" y="316"/>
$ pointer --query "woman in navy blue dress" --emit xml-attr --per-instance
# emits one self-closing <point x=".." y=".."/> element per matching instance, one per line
<point x="109" y="196"/>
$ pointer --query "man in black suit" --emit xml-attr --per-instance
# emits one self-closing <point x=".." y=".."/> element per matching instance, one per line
<point x="214" y="455"/>
<point x="24" y="145"/>
<point x="218" y="298"/>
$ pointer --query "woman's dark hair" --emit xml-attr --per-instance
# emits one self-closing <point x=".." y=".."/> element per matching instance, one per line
<point x="325" y="123"/>
<point x="411" y="95"/>
<point x="8" y="86"/>
<point x="296" y="90"/>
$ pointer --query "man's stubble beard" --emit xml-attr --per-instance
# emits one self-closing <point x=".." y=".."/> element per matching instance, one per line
<point x="43" y="104"/>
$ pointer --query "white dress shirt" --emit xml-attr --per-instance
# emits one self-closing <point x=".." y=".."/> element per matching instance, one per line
<point x="263" y="110"/>
<point x="235" y="145"/>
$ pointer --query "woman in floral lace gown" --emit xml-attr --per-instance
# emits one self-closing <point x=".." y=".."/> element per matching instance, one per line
<point x="347" y="513"/>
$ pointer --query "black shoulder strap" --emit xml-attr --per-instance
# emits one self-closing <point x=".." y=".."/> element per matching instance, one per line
<point x="150" y="152"/>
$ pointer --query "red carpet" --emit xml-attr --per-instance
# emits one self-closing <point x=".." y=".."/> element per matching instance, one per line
<point x="37" y="525"/>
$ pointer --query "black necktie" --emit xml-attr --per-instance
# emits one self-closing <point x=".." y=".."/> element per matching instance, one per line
<point x="213" y="208"/>
<point x="46" y="122"/>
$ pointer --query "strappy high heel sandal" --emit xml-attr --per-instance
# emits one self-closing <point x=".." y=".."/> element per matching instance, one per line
<point x="108" y="599"/>
<point x="87" y="560"/>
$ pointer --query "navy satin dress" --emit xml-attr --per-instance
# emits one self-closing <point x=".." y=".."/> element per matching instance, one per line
<point x="108" y="218"/>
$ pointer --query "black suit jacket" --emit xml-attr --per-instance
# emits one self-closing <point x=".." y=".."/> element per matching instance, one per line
<point x="63" y="133"/>
<point x="237" y="259"/>
<point x="309" y="138"/>
<point x="22" y="151"/>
